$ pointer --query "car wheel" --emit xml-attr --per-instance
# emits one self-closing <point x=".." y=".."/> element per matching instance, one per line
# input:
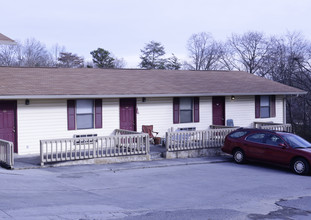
<point x="239" y="156"/>
<point x="300" y="166"/>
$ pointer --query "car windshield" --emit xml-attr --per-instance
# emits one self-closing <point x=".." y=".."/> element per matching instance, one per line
<point x="295" y="141"/>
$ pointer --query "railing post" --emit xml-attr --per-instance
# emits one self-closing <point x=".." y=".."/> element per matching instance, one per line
<point x="147" y="143"/>
<point x="167" y="141"/>
<point x="7" y="153"/>
<point x="41" y="153"/>
<point x="11" y="155"/>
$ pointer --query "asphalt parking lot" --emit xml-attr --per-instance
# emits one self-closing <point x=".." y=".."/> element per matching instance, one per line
<point x="184" y="189"/>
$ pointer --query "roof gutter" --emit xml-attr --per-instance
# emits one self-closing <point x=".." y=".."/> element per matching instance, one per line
<point x="10" y="97"/>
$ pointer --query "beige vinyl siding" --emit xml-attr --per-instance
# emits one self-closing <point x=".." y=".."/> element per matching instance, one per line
<point x="242" y="111"/>
<point x="159" y="113"/>
<point x="111" y="116"/>
<point x="41" y="119"/>
<point x="47" y="119"/>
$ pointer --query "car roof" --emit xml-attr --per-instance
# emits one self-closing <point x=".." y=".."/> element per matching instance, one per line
<point x="255" y="130"/>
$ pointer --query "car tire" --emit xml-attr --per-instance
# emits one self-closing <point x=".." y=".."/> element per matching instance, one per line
<point x="300" y="166"/>
<point x="239" y="156"/>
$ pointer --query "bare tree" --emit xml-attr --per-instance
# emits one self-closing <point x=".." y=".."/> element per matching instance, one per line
<point x="30" y="53"/>
<point x="288" y="62"/>
<point x="119" y="62"/>
<point x="227" y="58"/>
<point x="55" y="51"/>
<point x="204" y="52"/>
<point x="34" y="54"/>
<point x="8" y="55"/>
<point x="248" y="52"/>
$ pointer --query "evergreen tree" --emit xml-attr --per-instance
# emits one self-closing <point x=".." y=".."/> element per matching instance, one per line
<point x="102" y="58"/>
<point x="172" y="63"/>
<point x="151" y="57"/>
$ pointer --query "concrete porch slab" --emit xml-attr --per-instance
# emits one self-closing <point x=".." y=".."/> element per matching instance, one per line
<point x="155" y="159"/>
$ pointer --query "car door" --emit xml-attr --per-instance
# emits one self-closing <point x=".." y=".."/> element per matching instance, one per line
<point x="254" y="146"/>
<point x="276" y="151"/>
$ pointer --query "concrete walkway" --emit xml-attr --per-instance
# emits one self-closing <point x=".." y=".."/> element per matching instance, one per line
<point x="33" y="161"/>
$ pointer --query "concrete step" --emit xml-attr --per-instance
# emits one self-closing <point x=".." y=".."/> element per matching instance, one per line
<point x="156" y="156"/>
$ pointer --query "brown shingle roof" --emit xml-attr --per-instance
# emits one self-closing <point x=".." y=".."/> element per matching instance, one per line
<point x="5" y="40"/>
<point x="56" y="82"/>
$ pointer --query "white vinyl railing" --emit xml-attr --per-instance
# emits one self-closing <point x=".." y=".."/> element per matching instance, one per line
<point x="273" y="126"/>
<point x="123" y="132"/>
<point x="278" y="127"/>
<point x="189" y="140"/>
<point x="57" y="150"/>
<point x="7" y="153"/>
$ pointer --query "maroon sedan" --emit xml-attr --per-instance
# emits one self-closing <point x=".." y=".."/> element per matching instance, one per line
<point x="279" y="148"/>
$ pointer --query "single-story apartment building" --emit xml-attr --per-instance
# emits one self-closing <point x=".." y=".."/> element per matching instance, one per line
<point x="51" y="103"/>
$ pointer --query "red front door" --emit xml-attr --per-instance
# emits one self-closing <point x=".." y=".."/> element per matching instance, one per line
<point x="219" y="110"/>
<point x="128" y="114"/>
<point x="8" y="122"/>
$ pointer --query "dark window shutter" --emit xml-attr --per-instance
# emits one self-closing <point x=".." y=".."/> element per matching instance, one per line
<point x="176" y="110"/>
<point x="257" y="106"/>
<point x="272" y="106"/>
<point x="98" y="113"/>
<point x="196" y="105"/>
<point x="71" y="114"/>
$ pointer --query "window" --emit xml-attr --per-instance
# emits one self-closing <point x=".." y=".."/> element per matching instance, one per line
<point x="84" y="114"/>
<point x="185" y="110"/>
<point x="274" y="140"/>
<point x="238" y="134"/>
<point x="265" y="106"/>
<point x="257" y="138"/>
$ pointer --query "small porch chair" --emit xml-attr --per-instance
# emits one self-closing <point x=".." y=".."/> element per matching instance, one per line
<point x="149" y="130"/>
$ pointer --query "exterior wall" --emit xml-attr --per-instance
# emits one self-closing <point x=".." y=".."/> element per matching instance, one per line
<point x="159" y="113"/>
<point x="242" y="111"/>
<point x="47" y="119"/>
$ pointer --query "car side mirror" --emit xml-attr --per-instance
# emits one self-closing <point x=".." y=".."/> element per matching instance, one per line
<point x="282" y="145"/>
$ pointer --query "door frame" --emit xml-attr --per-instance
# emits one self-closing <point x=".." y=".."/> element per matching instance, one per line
<point x="14" y="104"/>
<point x="223" y="102"/>
<point x="134" y="101"/>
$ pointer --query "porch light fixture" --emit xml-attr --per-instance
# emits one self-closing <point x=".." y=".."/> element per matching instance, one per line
<point x="233" y="97"/>
<point x="27" y="102"/>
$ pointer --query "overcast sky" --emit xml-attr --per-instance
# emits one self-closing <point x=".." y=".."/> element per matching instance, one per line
<point x="124" y="26"/>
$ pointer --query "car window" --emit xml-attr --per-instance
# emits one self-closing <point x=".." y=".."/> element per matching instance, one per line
<point x="258" y="138"/>
<point x="296" y="142"/>
<point x="274" y="140"/>
<point x="238" y="134"/>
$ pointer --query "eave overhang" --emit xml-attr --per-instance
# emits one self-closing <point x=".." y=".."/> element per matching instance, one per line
<point x="76" y="96"/>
